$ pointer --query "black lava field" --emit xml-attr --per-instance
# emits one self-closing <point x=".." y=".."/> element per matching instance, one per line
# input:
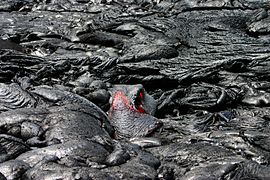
<point x="134" y="89"/>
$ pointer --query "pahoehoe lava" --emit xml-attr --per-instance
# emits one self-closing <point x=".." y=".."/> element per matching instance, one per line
<point x="139" y="89"/>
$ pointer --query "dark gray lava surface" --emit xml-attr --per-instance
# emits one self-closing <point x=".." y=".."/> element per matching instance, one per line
<point x="135" y="89"/>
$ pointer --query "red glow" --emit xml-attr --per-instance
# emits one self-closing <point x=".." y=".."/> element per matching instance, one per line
<point x="120" y="101"/>
<point x="141" y="95"/>
<point x="140" y="109"/>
